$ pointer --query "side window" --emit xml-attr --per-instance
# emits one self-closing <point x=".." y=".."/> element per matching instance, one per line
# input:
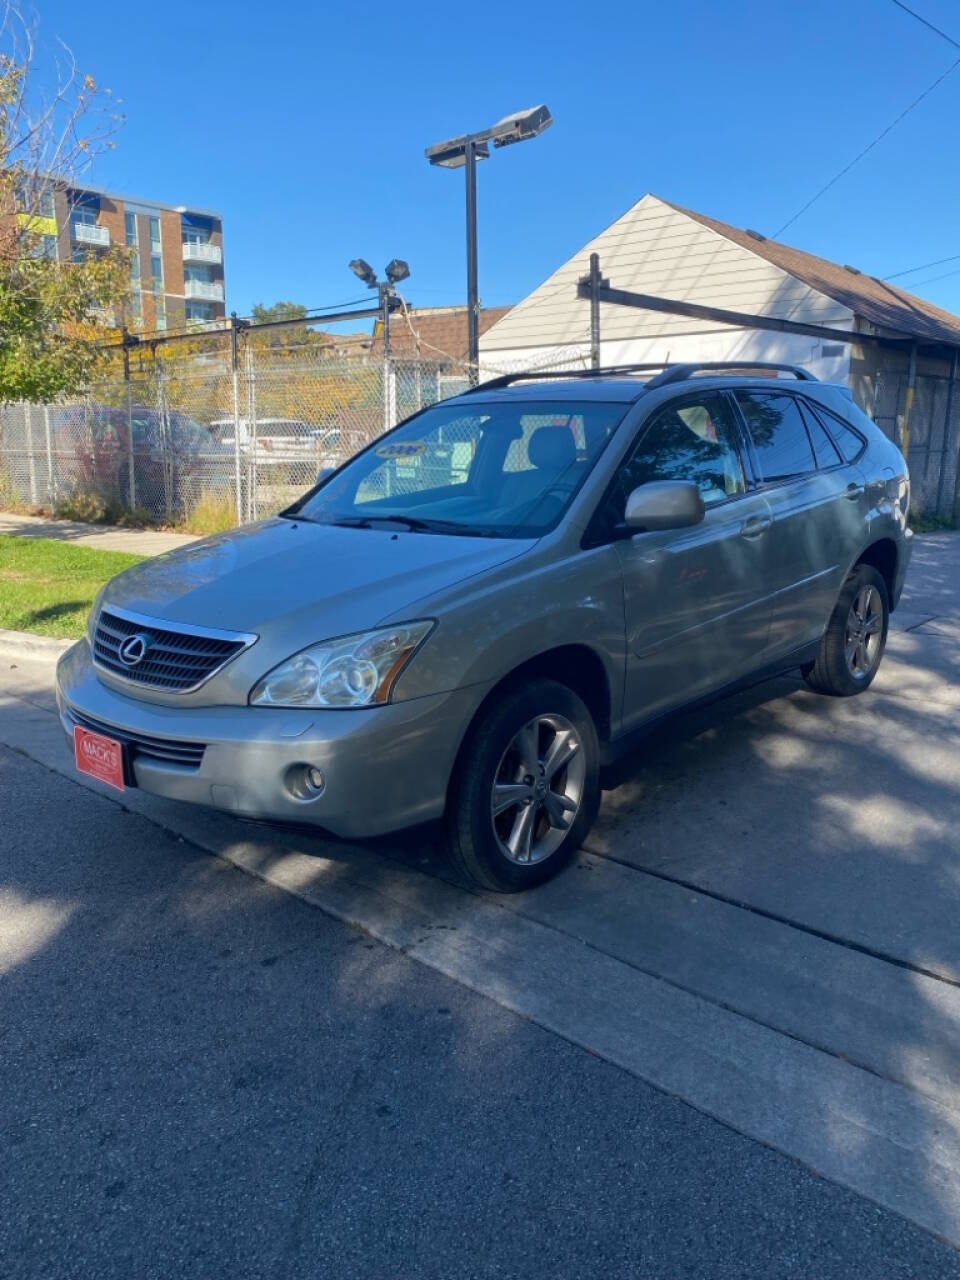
<point x="779" y="436"/>
<point x="849" y="442"/>
<point x="828" y="455"/>
<point x="694" y="439"/>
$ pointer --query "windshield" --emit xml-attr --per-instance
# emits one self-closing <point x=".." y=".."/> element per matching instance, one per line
<point x="507" y="469"/>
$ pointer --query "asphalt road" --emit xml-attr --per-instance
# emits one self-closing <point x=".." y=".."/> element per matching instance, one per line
<point x="202" y="1076"/>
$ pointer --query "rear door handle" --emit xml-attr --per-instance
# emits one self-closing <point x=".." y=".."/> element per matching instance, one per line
<point x="753" y="526"/>
<point x="854" y="491"/>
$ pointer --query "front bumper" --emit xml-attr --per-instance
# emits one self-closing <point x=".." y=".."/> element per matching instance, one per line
<point x="385" y="767"/>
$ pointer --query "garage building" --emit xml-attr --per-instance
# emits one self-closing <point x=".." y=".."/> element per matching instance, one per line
<point x="902" y="366"/>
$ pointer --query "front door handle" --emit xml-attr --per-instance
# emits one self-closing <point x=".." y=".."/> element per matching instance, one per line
<point x="854" y="491"/>
<point x="753" y="526"/>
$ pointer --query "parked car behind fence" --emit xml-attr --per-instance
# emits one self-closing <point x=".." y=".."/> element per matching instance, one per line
<point x="148" y="458"/>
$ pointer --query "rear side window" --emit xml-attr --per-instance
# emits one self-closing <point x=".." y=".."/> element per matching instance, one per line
<point x="779" y="436"/>
<point x="849" y="442"/>
<point x="828" y="455"/>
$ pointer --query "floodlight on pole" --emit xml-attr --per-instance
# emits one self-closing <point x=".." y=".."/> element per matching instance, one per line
<point x="396" y="270"/>
<point x="364" y="270"/>
<point x="463" y="152"/>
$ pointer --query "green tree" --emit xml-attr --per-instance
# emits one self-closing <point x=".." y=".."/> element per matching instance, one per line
<point x="49" y="131"/>
<point x="262" y="314"/>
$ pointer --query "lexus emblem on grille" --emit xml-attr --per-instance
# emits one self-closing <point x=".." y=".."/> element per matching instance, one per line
<point x="133" y="649"/>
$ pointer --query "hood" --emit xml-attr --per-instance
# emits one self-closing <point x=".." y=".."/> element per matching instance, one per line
<point x="304" y="581"/>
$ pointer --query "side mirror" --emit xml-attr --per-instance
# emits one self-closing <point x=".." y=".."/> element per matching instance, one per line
<point x="664" y="504"/>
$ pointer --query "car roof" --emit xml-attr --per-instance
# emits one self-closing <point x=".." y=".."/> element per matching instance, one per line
<point x="627" y="390"/>
<point x="587" y="387"/>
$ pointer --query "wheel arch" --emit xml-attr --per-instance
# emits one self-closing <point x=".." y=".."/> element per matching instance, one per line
<point x="884" y="556"/>
<point x="577" y="666"/>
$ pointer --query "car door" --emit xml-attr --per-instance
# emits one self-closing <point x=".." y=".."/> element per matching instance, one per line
<point x="695" y="610"/>
<point x="810" y="505"/>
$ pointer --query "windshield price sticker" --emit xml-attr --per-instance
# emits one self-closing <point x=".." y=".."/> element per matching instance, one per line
<point x="401" y="449"/>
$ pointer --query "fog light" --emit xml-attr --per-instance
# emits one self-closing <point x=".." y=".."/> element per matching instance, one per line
<point x="305" y="782"/>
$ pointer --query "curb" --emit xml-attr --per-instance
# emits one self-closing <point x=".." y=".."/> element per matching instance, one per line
<point x="23" y="644"/>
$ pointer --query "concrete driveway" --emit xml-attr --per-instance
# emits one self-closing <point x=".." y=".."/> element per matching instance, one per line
<point x="763" y="923"/>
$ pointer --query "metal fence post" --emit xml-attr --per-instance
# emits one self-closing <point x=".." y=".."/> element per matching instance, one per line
<point x="31" y="461"/>
<point x="389" y="394"/>
<point x="253" y="488"/>
<point x="166" y="458"/>
<point x="235" y="366"/>
<point x="131" y="479"/>
<point x="51" y="483"/>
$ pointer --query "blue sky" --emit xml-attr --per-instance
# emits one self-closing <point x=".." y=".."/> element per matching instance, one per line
<point x="305" y="124"/>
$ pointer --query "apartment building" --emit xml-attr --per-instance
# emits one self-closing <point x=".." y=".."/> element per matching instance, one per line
<point x="176" y="251"/>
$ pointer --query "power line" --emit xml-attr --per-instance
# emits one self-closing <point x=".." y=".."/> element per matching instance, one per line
<point x="932" y="279"/>
<point x="923" y="267"/>
<point x="880" y="136"/>
<point x="919" y="17"/>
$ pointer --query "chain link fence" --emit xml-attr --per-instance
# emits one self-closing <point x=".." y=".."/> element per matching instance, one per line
<point x="209" y="438"/>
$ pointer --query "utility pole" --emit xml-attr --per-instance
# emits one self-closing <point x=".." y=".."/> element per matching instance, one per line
<point x="473" y="299"/>
<point x="387" y="295"/>
<point x="387" y="300"/>
<point x="594" y="282"/>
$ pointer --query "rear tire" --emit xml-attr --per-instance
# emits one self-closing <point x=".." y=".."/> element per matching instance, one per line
<point x="855" y="638"/>
<point x="527" y="789"/>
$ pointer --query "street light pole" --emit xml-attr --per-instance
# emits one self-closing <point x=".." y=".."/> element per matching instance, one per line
<point x="385" y="290"/>
<point x="395" y="271"/>
<point x="464" y="152"/>
<point x="473" y="298"/>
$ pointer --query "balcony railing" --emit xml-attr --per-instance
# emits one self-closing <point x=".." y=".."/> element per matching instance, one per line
<point x="193" y="252"/>
<point x="208" y="290"/>
<point x="89" y="233"/>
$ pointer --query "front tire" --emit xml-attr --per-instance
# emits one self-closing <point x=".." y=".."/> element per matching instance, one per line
<point x="855" y="638"/>
<point x="527" y="789"/>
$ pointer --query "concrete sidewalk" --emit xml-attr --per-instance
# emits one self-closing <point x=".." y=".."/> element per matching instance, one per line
<point x="106" y="537"/>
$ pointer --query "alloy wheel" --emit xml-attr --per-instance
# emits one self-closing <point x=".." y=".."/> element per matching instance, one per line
<point x="538" y="789"/>
<point x="864" y="633"/>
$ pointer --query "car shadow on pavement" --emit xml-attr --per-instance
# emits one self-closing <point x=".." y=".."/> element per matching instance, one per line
<point x="202" y="1076"/>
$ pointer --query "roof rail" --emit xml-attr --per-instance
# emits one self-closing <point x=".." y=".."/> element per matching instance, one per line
<point x="679" y="372"/>
<point x="531" y="375"/>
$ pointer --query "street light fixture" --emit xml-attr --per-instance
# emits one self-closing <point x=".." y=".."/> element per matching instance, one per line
<point x="395" y="271"/>
<point x="463" y="152"/>
<point x="364" y="271"/>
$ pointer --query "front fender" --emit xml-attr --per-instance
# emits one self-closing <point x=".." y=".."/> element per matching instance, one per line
<point x="488" y="629"/>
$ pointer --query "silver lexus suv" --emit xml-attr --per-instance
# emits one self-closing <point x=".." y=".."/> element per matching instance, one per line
<point x="493" y="600"/>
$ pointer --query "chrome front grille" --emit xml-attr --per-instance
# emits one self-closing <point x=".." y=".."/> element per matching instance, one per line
<point x="176" y="659"/>
<point x="166" y="750"/>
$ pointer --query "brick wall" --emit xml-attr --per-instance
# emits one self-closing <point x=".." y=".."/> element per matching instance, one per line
<point x="111" y="217"/>
<point x="172" y="240"/>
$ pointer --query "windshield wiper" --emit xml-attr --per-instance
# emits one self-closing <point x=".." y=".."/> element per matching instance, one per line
<point x="416" y="525"/>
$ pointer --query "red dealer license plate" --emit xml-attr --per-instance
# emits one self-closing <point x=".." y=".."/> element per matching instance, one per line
<point x="99" y="756"/>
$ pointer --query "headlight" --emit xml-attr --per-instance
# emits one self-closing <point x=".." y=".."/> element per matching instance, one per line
<point x="353" y="671"/>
